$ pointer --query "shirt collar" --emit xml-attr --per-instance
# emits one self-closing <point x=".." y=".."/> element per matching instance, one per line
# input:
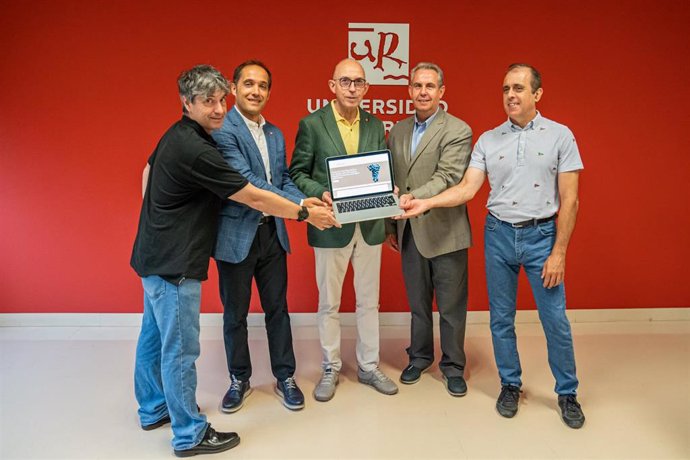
<point x="339" y="118"/>
<point x="197" y="127"/>
<point x="251" y="123"/>
<point x="426" y="122"/>
<point x="534" y="123"/>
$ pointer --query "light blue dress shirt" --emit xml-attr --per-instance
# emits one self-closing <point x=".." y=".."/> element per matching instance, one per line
<point x="418" y="131"/>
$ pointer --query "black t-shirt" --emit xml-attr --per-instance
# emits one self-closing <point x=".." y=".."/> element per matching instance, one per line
<point x="187" y="182"/>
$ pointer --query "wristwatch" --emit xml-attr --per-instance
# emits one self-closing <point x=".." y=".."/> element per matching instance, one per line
<point x="302" y="214"/>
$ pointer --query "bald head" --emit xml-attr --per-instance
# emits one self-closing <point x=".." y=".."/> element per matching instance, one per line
<point x="346" y="66"/>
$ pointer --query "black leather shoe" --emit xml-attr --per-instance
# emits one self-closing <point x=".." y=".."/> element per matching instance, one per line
<point x="212" y="443"/>
<point x="507" y="404"/>
<point x="292" y="396"/>
<point x="235" y="396"/>
<point x="164" y="421"/>
<point x="412" y="374"/>
<point x="571" y="412"/>
<point x="456" y="386"/>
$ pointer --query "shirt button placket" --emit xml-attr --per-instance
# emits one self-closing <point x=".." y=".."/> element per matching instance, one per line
<point x="521" y="149"/>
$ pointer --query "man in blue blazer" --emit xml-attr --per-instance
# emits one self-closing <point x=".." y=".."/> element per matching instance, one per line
<point x="254" y="245"/>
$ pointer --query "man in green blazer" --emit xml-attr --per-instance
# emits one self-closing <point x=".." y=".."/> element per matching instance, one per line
<point x="343" y="128"/>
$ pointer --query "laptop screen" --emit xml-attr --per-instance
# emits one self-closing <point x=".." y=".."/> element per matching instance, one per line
<point x="361" y="174"/>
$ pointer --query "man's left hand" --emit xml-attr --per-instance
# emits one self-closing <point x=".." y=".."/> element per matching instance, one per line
<point x="553" y="272"/>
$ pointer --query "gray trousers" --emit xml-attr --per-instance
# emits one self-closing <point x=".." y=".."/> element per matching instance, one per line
<point x="446" y="276"/>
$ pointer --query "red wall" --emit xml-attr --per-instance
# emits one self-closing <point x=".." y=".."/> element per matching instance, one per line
<point x="89" y="87"/>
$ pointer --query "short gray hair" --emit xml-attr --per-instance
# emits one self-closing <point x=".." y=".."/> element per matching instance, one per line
<point x="536" y="75"/>
<point x="428" y="66"/>
<point x="201" y="80"/>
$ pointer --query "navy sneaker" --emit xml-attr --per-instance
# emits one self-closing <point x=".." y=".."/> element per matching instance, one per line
<point x="289" y="392"/>
<point x="571" y="412"/>
<point x="456" y="386"/>
<point x="507" y="404"/>
<point x="411" y="374"/>
<point x="235" y="396"/>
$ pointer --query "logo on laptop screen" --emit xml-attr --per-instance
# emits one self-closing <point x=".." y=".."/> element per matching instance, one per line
<point x="383" y="50"/>
<point x="374" y="168"/>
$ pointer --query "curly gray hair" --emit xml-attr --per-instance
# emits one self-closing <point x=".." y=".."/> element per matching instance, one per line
<point x="201" y="80"/>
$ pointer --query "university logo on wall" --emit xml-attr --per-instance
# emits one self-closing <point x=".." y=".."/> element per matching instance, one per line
<point x="383" y="50"/>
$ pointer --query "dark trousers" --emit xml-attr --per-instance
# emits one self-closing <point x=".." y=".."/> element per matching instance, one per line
<point x="266" y="263"/>
<point x="446" y="276"/>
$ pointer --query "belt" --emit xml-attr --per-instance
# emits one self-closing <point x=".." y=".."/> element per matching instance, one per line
<point x="266" y="220"/>
<point x="531" y="222"/>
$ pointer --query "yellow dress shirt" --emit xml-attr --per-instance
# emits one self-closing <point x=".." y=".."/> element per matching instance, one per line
<point x="348" y="132"/>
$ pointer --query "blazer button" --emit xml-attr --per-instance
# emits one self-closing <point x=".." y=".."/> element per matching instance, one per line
<point x="408" y="189"/>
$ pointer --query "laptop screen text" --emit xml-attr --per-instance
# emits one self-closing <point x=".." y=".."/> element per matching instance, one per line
<point x="361" y="175"/>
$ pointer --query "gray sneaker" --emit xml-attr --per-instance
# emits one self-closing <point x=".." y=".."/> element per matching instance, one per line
<point x="378" y="380"/>
<point x="325" y="390"/>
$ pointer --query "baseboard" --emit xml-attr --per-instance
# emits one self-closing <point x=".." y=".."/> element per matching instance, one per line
<point x="347" y="319"/>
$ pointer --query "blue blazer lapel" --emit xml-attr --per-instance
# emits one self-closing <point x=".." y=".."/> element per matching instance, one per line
<point x="248" y="139"/>
<point x="272" y="148"/>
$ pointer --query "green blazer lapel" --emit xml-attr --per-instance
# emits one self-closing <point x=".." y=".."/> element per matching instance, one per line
<point x="364" y="132"/>
<point x="429" y="134"/>
<point x="332" y="130"/>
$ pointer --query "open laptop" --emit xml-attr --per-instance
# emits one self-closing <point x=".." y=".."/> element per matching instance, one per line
<point x="362" y="186"/>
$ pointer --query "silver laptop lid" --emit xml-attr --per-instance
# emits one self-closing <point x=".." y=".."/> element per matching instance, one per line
<point x="360" y="175"/>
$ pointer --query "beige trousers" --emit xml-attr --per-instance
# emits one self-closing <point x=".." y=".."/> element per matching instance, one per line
<point x="331" y="266"/>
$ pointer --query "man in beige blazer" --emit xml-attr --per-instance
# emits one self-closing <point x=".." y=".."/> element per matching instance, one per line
<point x="431" y="151"/>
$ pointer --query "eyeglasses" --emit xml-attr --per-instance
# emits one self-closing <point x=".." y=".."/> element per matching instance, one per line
<point x="345" y="82"/>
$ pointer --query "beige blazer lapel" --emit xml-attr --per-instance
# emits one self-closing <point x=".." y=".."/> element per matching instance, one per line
<point x="407" y="144"/>
<point x="428" y="136"/>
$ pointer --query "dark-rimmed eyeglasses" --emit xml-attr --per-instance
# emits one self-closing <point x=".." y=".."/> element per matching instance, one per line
<point x="345" y="82"/>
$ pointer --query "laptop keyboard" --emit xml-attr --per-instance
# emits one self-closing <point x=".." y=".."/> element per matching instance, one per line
<point x="365" y="203"/>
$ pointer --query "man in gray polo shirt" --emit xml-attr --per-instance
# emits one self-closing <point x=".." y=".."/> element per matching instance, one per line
<point x="533" y="165"/>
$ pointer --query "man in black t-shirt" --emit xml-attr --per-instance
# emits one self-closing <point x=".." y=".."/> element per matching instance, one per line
<point x="185" y="181"/>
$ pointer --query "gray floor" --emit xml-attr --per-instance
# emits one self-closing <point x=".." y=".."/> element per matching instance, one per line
<point x="66" y="392"/>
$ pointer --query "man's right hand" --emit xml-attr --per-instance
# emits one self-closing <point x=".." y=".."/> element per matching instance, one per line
<point x="313" y="201"/>
<point x="322" y="218"/>
<point x="326" y="198"/>
<point x="392" y="241"/>
<point x="413" y="208"/>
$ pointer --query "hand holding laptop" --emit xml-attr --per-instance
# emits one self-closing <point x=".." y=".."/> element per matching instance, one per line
<point x="413" y="207"/>
<point x="326" y="198"/>
<point x="320" y="214"/>
<point x="313" y="201"/>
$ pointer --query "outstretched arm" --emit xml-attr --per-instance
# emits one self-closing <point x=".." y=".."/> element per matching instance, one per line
<point x="276" y="205"/>
<point x="454" y="196"/>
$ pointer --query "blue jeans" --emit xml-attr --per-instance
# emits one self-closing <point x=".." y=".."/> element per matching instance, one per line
<point x="506" y="249"/>
<point x="168" y="346"/>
